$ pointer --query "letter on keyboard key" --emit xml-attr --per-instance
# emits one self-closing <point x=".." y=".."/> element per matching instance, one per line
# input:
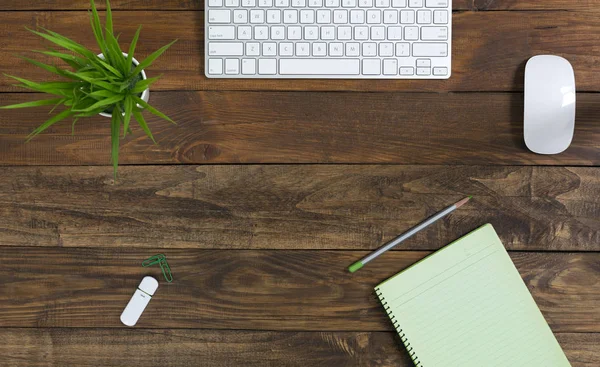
<point x="221" y="32"/>
<point x="434" y="33"/>
<point x="219" y="16"/>
<point x="371" y="67"/>
<point x="319" y="66"/>
<point x="225" y="49"/>
<point x="430" y="49"/>
<point x="267" y="66"/>
<point x="436" y="3"/>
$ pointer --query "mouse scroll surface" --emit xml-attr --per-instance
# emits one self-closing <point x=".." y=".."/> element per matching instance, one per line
<point x="549" y="104"/>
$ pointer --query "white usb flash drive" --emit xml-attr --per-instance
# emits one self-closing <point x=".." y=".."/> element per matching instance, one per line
<point x="138" y="302"/>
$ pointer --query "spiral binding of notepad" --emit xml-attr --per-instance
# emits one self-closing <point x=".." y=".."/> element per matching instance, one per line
<point x="400" y="332"/>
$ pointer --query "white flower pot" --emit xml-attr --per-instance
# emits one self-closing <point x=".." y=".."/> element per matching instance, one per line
<point x="145" y="95"/>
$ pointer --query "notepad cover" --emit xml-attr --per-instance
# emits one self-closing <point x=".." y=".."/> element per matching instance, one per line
<point x="466" y="305"/>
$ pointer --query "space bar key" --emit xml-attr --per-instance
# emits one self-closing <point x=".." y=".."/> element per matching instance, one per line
<point x="319" y="66"/>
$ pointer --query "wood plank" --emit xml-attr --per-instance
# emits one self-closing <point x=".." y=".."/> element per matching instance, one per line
<point x="296" y="207"/>
<point x="182" y="348"/>
<point x="255" y="290"/>
<point x="292" y="127"/>
<point x="581" y="5"/>
<point x="489" y="50"/>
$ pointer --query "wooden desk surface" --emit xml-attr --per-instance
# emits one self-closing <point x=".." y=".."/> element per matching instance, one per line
<point x="267" y="190"/>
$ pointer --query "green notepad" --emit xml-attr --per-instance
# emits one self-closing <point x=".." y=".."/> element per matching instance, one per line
<point x="466" y="305"/>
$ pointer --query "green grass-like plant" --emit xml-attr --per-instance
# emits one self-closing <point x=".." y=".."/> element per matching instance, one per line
<point x="93" y="84"/>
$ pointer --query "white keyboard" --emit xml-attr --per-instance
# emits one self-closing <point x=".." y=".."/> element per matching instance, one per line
<point x="345" y="39"/>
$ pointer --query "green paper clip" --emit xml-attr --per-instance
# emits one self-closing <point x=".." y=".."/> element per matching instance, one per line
<point x="166" y="270"/>
<point x="164" y="265"/>
<point x="153" y="260"/>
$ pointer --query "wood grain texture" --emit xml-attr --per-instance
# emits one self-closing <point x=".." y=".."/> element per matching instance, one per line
<point x="296" y="207"/>
<point x="255" y="290"/>
<point x="183" y="348"/>
<point x="293" y="127"/>
<point x="489" y="50"/>
<point x="581" y="5"/>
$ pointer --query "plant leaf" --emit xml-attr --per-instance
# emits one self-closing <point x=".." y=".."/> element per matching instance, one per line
<point x="140" y="119"/>
<point x="101" y="94"/>
<point x="103" y="103"/>
<point x="73" y="61"/>
<point x="73" y="125"/>
<point x="114" y="133"/>
<point x="133" y="45"/>
<point x="50" y="68"/>
<point x="115" y="50"/>
<point x="97" y="28"/>
<point x="41" y="102"/>
<point x="150" y="59"/>
<point x="142" y="85"/>
<point x="128" y="113"/>
<point x="109" y="19"/>
<point x="64" y="42"/>
<point x="54" y="119"/>
<point x="152" y="110"/>
<point x="111" y="69"/>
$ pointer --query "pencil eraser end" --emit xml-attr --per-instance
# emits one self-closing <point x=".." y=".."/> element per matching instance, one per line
<point x="354" y="267"/>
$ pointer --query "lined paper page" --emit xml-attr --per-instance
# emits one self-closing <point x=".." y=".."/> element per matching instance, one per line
<point x="466" y="305"/>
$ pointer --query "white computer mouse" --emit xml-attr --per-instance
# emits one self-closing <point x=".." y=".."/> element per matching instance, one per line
<point x="549" y="104"/>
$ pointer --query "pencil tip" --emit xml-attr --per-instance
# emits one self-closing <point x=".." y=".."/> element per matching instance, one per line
<point x="463" y="201"/>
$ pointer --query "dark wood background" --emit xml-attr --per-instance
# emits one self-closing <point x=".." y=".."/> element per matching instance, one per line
<point x="267" y="190"/>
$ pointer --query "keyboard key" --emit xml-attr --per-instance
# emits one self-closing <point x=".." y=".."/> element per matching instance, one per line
<point x="365" y="3"/>
<point x="286" y="49"/>
<point x="340" y="16"/>
<point x="215" y="3"/>
<point x="424" y="17"/>
<point x="357" y="16"/>
<point x="219" y="16"/>
<point x="225" y="49"/>
<point x="327" y="33"/>
<point x="440" y="71"/>
<point x="269" y="49"/>
<point x="407" y="16"/>
<point x="436" y="3"/>
<point x="440" y="17"/>
<point x="423" y="71"/>
<point x="278" y="33"/>
<point x="407" y="70"/>
<point x="240" y="16"/>
<point x="249" y="3"/>
<point x="294" y="33"/>
<point x="282" y="3"/>
<point x="349" y="3"/>
<point x="394" y="33"/>
<point x="323" y="16"/>
<point x="403" y="49"/>
<point x="399" y="3"/>
<point x="261" y="32"/>
<point x="302" y="49"/>
<point x="315" y="3"/>
<point x="411" y="33"/>
<point x="382" y="3"/>
<point x="369" y="49"/>
<point x="311" y="33"/>
<point x="415" y="3"/>
<point x="332" y="3"/>
<point x="290" y="16"/>
<point x="361" y="33"/>
<point x="390" y="16"/>
<point x="252" y="49"/>
<point x="319" y="66"/>
<point x="378" y="33"/>
<point x="423" y="63"/>
<point x="344" y="33"/>
<point x="298" y="3"/>
<point x="386" y="49"/>
<point x="390" y="67"/>
<point x="265" y="3"/>
<point x="274" y="16"/>
<point x="319" y="49"/>
<point x="232" y="3"/>
<point x="371" y="67"/>
<point x="244" y="32"/>
<point x="352" y="49"/>
<point x="374" y="16"/>
<point x="232" y="66"/>
<point x="267" y="66"/>
<point x="221" y="32"/>
<point x="215" y="66"/>
<point x="257" y="16"/>
<point x="430" y="49"/>
<point x="336" y="49"/>
<point x="248" y="66"/>
<point x="307" y="16"/>
<point x="434" y="33"/>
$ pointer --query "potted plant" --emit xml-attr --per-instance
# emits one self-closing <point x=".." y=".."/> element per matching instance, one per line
<point x="111" y="84"/>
